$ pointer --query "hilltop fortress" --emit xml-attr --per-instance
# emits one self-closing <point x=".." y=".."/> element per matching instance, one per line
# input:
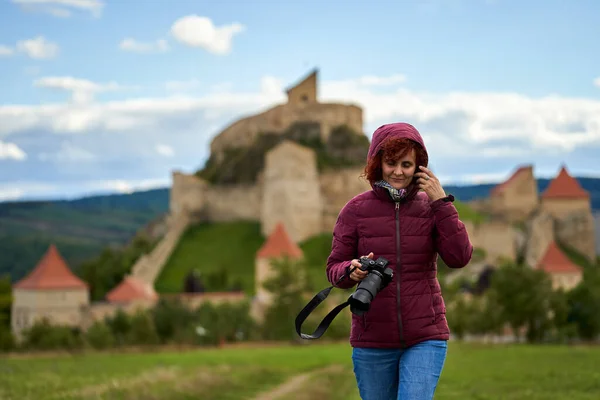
<point x="289" y="187"/>
<point x="292" y="168"/>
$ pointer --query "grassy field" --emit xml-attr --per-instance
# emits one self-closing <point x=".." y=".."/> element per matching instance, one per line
<point x="317" y="371"/>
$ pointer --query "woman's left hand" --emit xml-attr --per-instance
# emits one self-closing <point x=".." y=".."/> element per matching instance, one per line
<point x="430" y="184"/>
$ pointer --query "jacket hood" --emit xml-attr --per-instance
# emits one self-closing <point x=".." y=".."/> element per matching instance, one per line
<point x="397" y="130"/>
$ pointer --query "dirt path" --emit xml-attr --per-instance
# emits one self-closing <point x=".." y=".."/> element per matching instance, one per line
<point x="293" y="384"/>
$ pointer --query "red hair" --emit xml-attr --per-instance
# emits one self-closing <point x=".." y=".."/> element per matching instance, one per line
<point x="393" y="149"/>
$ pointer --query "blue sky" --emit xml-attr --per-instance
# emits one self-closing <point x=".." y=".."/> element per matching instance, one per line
<point x="114" y="95"/>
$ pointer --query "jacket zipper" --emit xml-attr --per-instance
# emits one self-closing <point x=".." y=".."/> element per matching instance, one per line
<point x="402" y="344"/>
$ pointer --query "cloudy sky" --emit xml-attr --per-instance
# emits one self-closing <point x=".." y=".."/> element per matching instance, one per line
<point x="113" y="95"/>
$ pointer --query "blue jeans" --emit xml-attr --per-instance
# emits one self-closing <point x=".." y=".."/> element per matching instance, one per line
<point x="394" y="374"/>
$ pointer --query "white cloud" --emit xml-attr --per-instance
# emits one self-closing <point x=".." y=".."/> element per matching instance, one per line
<point x="68" y="153"/>
<point x="123" y="185"/>
<point x="38" y="48"/>
<point x="62" y="8"/>
<point x="458" y="121"/>
<point x="496" y="130"/>
<point x="135" y="46"/>
<point x="165" y="150"/>
<point x="10" y="191"/>
<point x="6" y="51"/>
<point x="10" y="151"/>
<point x="597" y="81"/>
<point x="82" y="90"/>
<point x="11" y="194"/>
<point x="197" y="31"/>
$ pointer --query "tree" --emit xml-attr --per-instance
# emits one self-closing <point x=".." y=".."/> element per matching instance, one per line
<point x="287" y="287"/>
<point x="523" y="296"/>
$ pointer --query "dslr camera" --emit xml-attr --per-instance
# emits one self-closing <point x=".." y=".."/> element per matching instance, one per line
<point x="378" y="278"/>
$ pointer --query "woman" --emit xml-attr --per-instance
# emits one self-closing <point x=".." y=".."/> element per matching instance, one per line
<point x="399" y="345"/>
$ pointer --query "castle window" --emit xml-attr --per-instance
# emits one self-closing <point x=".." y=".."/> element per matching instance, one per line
<point x="304" y="98"/>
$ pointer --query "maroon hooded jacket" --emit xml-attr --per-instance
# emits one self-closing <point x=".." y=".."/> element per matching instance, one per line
<point x="410" y="235"/>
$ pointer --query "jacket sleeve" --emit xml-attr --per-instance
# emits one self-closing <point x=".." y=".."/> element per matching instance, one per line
<point x="451" y="237"/>
<point x="343" y="247"/>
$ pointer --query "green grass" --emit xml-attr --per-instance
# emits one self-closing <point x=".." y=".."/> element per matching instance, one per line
<point x="472" y="371"/>
<point x="230" y="248"/>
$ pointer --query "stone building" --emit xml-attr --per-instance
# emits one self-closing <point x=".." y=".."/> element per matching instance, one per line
<point x="49" y="291"/>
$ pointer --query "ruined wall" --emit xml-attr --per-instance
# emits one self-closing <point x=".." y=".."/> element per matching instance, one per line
<point x="577" y="230"/>
<point x="243" y="132"/>
<point x="233" y="202"/>
<point x="337" y="188"/>
<point x="148" y="266"/>
<point x="305" y="91"/>
<point x="498" y="239"/>
<point x="540" y="232"/>
<point x="187" y="195"/>
<point x="517" y="198"/>
<point x="291" y="191"/>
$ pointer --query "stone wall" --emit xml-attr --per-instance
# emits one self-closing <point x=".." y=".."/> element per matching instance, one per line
<point x="540" y="229"/>
<point x="563" y="207"/>
<point x="337" y="188"/>
<point x="517" y="198"/>
<point x="305" y="91"/>
<point x="233" y="202"/>
<point x="187" y="194"/>
<point x="577" y="230"/>
<point x="498" y="239"/>
<point x="243" y="132"/>
<point x="58" y="306"/>
<point x="148" y="266"/>
<point x="291" y="191"/>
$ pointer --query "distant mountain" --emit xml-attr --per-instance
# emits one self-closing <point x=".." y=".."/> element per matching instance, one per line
<point x="82" y="228"/>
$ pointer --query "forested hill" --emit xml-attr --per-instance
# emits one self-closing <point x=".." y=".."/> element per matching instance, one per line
<point x="82" y="228"/>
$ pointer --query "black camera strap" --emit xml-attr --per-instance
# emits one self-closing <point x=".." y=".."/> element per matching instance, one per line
<point x="318" y="299"/>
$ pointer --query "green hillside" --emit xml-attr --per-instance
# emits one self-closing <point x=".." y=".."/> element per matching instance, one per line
<point x="80" y="228"/>
<point x="224" y="255"/>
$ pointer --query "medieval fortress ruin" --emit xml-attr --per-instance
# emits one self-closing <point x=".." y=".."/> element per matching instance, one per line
<point x="294" y="200"/>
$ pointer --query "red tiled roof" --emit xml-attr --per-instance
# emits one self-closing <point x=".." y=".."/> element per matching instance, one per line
<point x="565" y="186"/>
<point x="279" y="244"/>
<point x="131" y="289"/>
<point x="51" y="273"/>
<point x="554" y="261"/>
<point x="520" y="171"/>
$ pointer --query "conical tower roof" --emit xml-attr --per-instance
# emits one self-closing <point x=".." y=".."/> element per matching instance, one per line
<point x="51" y="273"/>
<point x="555" y="261"/>
<point x="565" y="186"/>
<point x="279" y="244"/>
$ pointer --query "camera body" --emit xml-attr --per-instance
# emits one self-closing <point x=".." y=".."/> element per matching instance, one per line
<point x="379" y="276"/>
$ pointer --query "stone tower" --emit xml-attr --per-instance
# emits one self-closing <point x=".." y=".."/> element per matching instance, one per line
<point x="50" y="291"/>
<point x="570" y="206"/>
<point x="305" y="91"/>
<point x="291" y="191"/>
<point x="517" y="197"/>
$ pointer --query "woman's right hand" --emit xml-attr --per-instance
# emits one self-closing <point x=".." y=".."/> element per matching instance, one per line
<point x="358" y="274"/>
